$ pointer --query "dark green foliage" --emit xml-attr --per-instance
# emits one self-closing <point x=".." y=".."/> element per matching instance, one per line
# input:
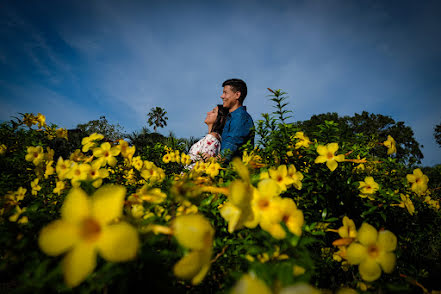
<point x="374" y="126"/>
<point x="101" y="126"/>
<point x="437" y="134"/>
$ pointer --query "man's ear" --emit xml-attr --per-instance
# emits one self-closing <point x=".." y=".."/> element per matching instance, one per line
<point x="237" y="94"/>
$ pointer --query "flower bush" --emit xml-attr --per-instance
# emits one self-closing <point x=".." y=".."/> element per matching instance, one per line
<point x="269" y="222"/>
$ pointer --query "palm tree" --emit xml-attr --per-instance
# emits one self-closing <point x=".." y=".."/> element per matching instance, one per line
<point x="157" y="117"/>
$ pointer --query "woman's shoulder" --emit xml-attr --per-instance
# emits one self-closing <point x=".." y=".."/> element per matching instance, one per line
<point x="214" y="135"/>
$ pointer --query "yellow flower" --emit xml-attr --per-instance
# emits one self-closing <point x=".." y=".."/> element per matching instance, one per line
<point x="194" y="265"/>
<point x="185" y="159"/>
<point x="213" y="170"/>
<point x="194" y="232"/>
<point x="106" y="153"/>
<point x="263" y="209"/>
<point x="368" y="187"/>
<point x="327" y="154"/>
<point x="59" y="187"/>
<point x="13" y="198"/>
<point x="85" y="229"/>
<point x="96" y="174"/>
<point x="41" y="119"/>
<point x="298" y="270"/>
<point x="433" y="203"/>
<point x="126" y="150"/>
<point x="280" y="175"/>
<point x="137" y="210"/>
<point x="137" y="162"/>
<point x="300" y="288"/>
<point x="177" y="157"/>
<point x="418" y="181"/>
<point x="154" y="174"/>
<point x="78" y="156"/>
<point x="154" y="195"/>
<point x="49" y="169"/>
<point x="346" y="291"/>
<point x="78" y="172"/>
<point x="29" y="119"/>
<point x="407" y="203"/>
<point x="348" y="229"/>
<point x="166" y="158"/>
<point x="303" y="140"/>
<point x="35" y="187"/>
<point x="17" y="214"/>
<point x="285" y="211"/>
<point x="373" y="252"/>
<point x="35" y="154"/>
<point x="61" y="133"/>
<point x="3" y="149"/>
<point x="391" y="145"/>
<point x="186" y="208"/>
<point x="249" y="283"/>
<point x="62" y="167"/>
<point x="296" y="176"/>
<point x="89" y="142"/>
<point x="237" y="210"/>
<point x="20" y="193"/>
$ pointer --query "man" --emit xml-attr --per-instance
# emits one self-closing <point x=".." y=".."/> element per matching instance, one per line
<point x="239" y="127"/>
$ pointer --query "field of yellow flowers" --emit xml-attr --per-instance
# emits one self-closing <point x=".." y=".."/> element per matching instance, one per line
<point x="305" y="213"/>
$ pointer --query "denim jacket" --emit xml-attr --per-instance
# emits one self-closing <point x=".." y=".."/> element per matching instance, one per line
<point x="237" y="131"/>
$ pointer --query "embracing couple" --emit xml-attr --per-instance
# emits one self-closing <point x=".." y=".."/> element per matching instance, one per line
<point x="229" y="126"/>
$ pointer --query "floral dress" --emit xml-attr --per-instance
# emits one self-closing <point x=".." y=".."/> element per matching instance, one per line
<point x="208" y="144"/>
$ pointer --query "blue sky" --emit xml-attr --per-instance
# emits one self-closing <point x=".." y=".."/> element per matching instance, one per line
<point x="77" y="60"/>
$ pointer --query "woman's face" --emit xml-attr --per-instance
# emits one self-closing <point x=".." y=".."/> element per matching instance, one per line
<point x="211" y="116"/>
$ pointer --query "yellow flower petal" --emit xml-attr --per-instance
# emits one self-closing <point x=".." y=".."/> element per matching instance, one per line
<point x="241" y="169"/>
<point x="57" y="237"/>
<point x="411" y="178"/>
<point x="193" y="231"/>
<point x="119" y="242"/>
<point x="190" y="265"/>
<point x="369" y="270"/>
<point x="356" y="253"/>
<point x="322" y="150"/>
<point x="269" y="188"/>
<point x="79" y="263"/>
<point x="321" y="159"/>
<point x="387" y="262"/>
<point x="114" y="151"/>
<point x="340" y="158"/>
<point x="387" y="240"/>
<point x="250" y="284"/>
<point x="202" y="273"/>
<point x="107" y="203"/>
<point x="332" y="147"/>
<point x="367" y="234"/>
<point x="232" y="215"/>
<point x="300" y="288"/>
<point x="240" y="194"/>
<point x="76" y="206"/>
<point x="332" y="164"/>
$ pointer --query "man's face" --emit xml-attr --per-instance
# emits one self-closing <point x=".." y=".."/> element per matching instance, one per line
<point x="230" y="98"/>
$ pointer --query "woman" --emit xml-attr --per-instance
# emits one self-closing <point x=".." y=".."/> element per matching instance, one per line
<point x="209" y="146"/>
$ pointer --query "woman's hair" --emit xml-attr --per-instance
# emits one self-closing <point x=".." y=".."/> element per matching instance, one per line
<point x="219" y="124"/>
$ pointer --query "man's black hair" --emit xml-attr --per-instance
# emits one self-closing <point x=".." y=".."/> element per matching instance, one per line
<point x="237" y="85"/>
<point x="221" y="118"/>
